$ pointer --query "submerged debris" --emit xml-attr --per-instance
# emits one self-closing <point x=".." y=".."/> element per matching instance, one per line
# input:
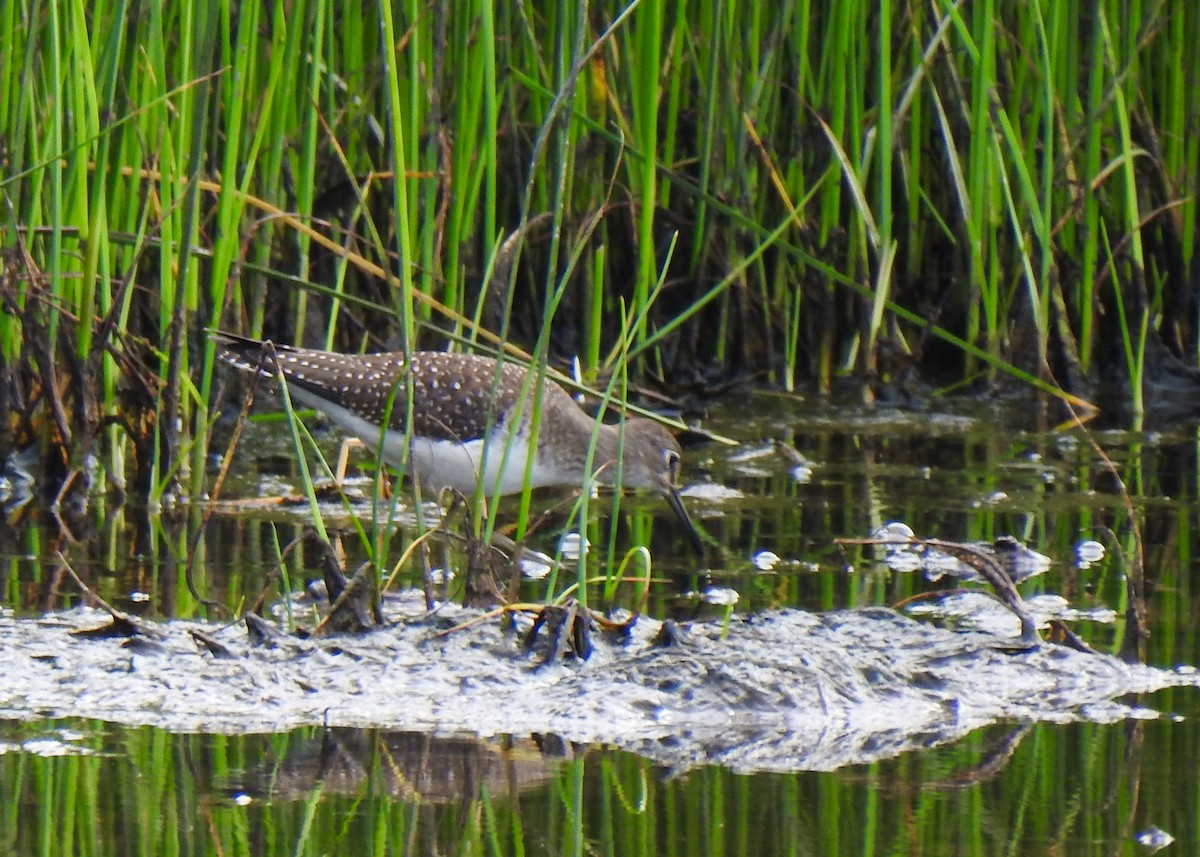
<point x="1000" y="564"/>
<point x="569" y="627"/>
<point x="802" y="468"/>
<point x="765" y="560"/>
<point x="1155" y="838"/>
<point x="1088" y="553"/>
<point x="120" y="625"/>
<point x="354" y="608"/>
<point x="906" y="553"/>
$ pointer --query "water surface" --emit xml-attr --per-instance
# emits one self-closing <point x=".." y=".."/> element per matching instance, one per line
<point x="973" y="471"/>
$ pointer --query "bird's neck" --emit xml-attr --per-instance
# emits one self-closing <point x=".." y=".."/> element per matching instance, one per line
<point x="607" y="458"/>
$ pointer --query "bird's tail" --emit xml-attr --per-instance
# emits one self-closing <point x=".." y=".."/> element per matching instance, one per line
<point x="242" y="352"/>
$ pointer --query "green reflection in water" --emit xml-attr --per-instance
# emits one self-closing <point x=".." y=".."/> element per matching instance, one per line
<point x="1079" y="789"/>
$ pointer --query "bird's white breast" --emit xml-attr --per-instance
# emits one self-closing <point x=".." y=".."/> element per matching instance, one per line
<point x="501" y="460"/>
<point x="501" y="457"/>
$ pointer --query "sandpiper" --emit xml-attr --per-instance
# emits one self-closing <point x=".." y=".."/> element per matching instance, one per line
<point x="471" y="420"/>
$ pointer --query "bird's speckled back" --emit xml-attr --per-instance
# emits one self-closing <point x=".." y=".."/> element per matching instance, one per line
<point x="457" y="397"/>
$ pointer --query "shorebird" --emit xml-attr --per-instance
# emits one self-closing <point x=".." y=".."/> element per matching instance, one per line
<point x="471" y="420"/>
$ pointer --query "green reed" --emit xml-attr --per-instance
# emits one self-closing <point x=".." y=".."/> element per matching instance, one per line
<point x="1014" y="180"/>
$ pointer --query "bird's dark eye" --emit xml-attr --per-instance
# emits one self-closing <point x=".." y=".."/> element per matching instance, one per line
<point x="672" y="461"/>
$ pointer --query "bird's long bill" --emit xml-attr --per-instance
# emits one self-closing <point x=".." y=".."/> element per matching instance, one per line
<point x="676" y="504"/>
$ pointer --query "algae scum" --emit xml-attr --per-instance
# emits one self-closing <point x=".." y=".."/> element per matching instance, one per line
<point x="780" y="690"/>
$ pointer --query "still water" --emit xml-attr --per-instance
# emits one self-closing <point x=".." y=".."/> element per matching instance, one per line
<point x="972" y="471"/>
